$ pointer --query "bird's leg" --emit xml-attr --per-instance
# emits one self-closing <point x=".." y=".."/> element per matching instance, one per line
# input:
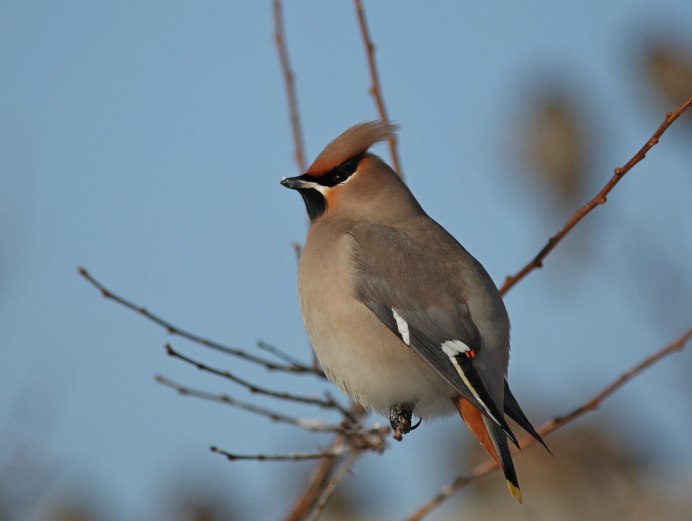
<point x="400" y="419"/>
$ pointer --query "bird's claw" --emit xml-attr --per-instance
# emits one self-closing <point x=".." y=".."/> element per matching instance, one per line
<point x="400" y="420"/>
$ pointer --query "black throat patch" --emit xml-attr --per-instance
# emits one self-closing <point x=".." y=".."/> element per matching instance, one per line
<point x="315" y="203"/>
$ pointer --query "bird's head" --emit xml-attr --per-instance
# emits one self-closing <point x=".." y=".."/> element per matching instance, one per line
<point x="346" y="178"/>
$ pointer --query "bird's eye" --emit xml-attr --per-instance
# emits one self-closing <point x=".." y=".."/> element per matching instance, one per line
<point x="341" y="173"/>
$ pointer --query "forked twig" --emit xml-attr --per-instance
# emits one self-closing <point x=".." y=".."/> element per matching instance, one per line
<point x="552" y="425"/>
<point x="599" y="198"/>
<point x="321" y="474"/>
<point x="375" y="88"/>
<point x="176" y="331"/>
<point x="275" y="416"/>
<point x="286" y="357"/>
<point x="328" y="403"/>
<point x="289" y="82"/>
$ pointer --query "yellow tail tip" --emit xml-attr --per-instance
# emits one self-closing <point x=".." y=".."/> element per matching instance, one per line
<point x="514" y="490"/>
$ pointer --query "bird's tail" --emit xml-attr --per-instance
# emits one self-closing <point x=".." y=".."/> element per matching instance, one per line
<point x="493" y="439"/>
<point x="513" y="410"/>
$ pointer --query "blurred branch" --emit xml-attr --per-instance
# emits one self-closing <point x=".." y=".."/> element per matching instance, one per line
<point x="319" y="479"/>
<point x="289" y="82"/>
<point x="375" y="89"/>
<point x="599" y="198"/>
<point x="175" y="330"/>
<point x="321" y="474"/>
<point x="552" y="425"/>
<point x="328" y="403"/>
<point x="292" y="101"/>
<point x="330" y="487"/>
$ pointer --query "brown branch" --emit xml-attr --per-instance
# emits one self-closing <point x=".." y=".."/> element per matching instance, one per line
<point x="286" y="357"/>
<point x="330" y="453"/>
<point x="303" y="423"/>
<point x="333" y="483"/>
<point x="291" y="99"/>
<point x="599" y="199"/>
<point x="552" y="425"/>
<point x="375" y="89"/>
<point x="176" y="331"/>
<point x="289" y="82"/>
<point x="319" y="479"/>
<point x="328" y="403"/>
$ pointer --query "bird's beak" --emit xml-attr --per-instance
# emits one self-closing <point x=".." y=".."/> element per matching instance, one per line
<point x="298" y="183"/>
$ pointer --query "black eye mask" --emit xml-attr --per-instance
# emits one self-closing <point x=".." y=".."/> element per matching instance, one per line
<point x="338" y="174"/>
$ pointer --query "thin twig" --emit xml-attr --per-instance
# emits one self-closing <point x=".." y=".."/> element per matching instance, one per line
<point x="293" y="456"/>
<point x="599" y="198"/>
<point x="307" y="424"/>
<point x="254" y="389"/>
<point x="176" y="331"/>
<point x="348" y="413"/>
<point x="289" y="82"/>
<point x="286" y="357"/>
<point x="552" y="425"/>
<point x="375" y="89"/>
<point x="333" y="483"/>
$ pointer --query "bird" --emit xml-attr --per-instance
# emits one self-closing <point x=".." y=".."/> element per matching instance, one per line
<point x="401" y="317"/>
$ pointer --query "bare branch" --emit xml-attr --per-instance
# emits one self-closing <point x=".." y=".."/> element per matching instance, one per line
<point x="280" y="42"/>
<point x="598" y="199"/>
<point x="552" y="425"/>
<point x="307" y="424"/>
<point x="319" y="478"/>
<point x="286" y="357"/>
<point x="330" y="487"/>
<point x="593" y="404"/>
<point x="293" y="456"/>
<point x="175" y="330"/>
<point x="318" y="481"/>
<point x="375" y="89"/>
<point x="254" y="389"/>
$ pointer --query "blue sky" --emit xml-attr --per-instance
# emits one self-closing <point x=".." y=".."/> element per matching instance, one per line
<point x="145" y="141"/>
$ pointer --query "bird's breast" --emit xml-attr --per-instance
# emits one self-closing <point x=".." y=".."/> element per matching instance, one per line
<point x="356" y="350"/>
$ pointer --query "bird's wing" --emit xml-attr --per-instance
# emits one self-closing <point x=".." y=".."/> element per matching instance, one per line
<point x="423" y="304"/>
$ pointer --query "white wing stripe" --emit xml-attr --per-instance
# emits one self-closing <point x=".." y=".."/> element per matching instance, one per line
<point x="470" y="387"/>
<point x="402" y="326"/>
<point x="453" y="348"/>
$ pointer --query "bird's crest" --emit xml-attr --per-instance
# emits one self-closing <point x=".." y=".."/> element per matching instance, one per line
<point x="352" y="142"/>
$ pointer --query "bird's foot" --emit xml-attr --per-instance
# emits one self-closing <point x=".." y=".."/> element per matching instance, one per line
<point x="400" y="419"/>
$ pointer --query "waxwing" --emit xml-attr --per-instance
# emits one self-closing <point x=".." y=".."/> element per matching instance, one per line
<point x="400" y="315"/>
